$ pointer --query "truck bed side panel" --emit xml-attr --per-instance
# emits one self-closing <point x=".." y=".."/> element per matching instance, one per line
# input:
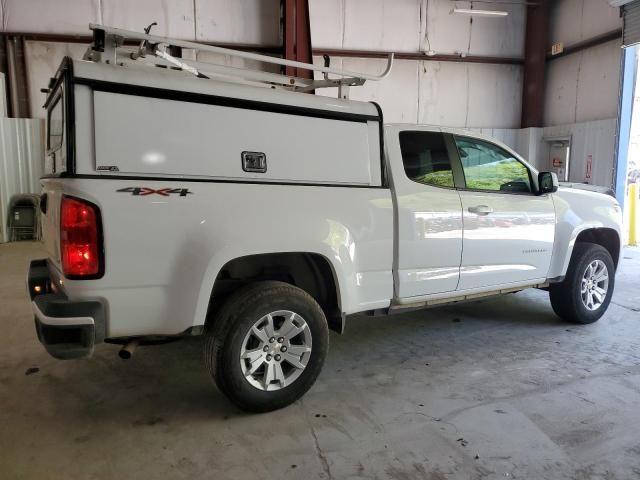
<point x="164" y="250"/>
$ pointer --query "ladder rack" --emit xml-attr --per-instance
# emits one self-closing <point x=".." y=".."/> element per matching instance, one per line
<point x="109" y="46"/>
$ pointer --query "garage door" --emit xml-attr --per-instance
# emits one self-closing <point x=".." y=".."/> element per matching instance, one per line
<point x="631" y="30"/>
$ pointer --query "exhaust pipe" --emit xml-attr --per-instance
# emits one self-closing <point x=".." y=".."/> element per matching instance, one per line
<point x="127" y="350"/>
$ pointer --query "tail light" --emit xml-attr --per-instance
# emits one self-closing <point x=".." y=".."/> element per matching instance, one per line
<point x="80" y="239"/>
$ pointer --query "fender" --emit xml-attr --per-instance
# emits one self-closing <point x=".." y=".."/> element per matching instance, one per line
<point x="578" y="211"/>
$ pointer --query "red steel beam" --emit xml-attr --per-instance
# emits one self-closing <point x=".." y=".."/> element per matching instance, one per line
<point x="535" y="52"/>
<point x="589" y="43"/>
<point x="297" y="36"/>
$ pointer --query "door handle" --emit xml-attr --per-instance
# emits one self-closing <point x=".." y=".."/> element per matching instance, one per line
<point x="481" y="210"/>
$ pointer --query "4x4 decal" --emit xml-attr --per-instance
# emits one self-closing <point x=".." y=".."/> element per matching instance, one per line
<point x="164" y="192"/>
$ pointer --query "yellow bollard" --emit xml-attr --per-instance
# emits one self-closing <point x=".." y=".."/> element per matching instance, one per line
<point x="633" y="214"/>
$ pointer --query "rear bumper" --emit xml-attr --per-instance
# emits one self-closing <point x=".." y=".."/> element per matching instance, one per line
<point x="67" y="329"/>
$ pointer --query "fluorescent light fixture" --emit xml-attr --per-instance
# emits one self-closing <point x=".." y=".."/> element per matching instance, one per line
<point x="479" y="13"/>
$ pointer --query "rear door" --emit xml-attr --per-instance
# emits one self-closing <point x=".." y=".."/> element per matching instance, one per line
<point x="508" y="229"/>
<point x="428" y="212"/>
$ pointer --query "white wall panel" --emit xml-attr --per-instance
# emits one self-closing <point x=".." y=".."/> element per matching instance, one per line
<point x="599" y="82"/>
<point x="43" y="60"/>
<point x="561" y="90"/>
<point x="444" y="93"/>
<point x="21" y="161"/>
<point x="381" y="25"/>
<point x="175" y="17"/>
<point x="495" y="93"/>
<point x="572" y="21"/>
<point x="483" y="36"/>
<point x="583" y="86"/>
<point x="366" y="24"/>
<point x="447" y="33"/>
<point x="49" y="16"/>
<point x="238" y="21"/>
<point x="503" y="36"/>
<point x="241" y="21"/>
<point x="327" y="23"/>
<point x="470" y="95"/>
<point x="404" y="25"/>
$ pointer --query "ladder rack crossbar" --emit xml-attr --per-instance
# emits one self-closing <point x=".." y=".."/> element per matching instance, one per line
<point x="212" y="69"/>
<point x="353" y="78"/>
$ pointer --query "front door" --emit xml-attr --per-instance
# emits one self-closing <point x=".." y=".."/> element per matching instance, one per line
<point x="508" y="229"/>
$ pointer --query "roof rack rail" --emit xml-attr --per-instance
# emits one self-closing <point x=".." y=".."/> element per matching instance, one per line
<point x="109" y="46"/>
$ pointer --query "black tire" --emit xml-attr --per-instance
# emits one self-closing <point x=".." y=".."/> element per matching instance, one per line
<point x="223" y="343"/>
<point x="566" y="297"/>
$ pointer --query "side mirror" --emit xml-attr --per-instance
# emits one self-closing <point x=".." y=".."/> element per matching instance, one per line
<point x="547" y="183"/>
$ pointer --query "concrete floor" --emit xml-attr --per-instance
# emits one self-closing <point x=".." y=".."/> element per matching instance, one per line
<point x="490" y="390"/>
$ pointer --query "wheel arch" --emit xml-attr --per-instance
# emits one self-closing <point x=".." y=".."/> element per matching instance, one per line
<point x="309" y="271"/>
<point x="607" y="237"/>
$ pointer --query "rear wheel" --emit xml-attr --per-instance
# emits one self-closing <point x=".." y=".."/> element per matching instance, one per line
<point x="585" y="293"/>
<point x="267" y="346"/>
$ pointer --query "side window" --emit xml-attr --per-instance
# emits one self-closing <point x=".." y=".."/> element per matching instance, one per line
<point x="55" y="126"/>
<point x="489" y="167"/>
<point x="425" y="158"/>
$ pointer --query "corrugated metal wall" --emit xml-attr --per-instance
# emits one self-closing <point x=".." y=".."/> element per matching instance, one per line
<point x="21" y="160"/>
<point x="631" y="16"/>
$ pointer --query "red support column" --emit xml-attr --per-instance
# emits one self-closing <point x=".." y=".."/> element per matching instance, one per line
<point x="534" y="64"/>
<point x="297" y="36"/>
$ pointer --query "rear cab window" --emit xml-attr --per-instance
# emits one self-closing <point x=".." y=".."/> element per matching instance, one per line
<point x="426" y="159"/>
<point x="56" y="158"/>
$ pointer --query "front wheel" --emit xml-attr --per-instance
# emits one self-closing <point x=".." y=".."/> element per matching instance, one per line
<point x="267" y="346"/>
<point x="585" y="293"/>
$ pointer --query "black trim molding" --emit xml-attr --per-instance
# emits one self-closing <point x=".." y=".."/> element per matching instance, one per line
<point x="383" y="165"/>
<point x="63" y="77"/>
<point x="207" y="180"/>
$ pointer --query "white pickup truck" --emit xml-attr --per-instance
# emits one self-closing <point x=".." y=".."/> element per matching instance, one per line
<point x="260" y="218"/>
